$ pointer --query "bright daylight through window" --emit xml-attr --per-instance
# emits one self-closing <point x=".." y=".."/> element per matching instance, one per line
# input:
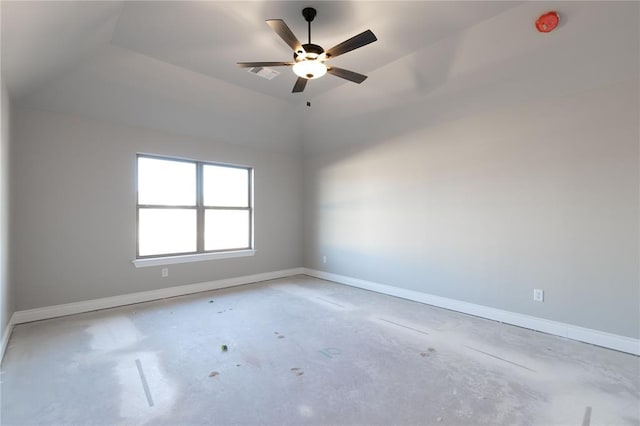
<point x="191" y="207"/>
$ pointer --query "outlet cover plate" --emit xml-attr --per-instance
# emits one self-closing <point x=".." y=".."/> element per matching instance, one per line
<point x="538" y="295"/>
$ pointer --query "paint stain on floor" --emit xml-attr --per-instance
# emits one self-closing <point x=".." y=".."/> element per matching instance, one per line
<point x="426" y="354"/>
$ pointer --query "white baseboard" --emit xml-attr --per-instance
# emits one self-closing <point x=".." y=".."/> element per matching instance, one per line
<point x="600" y="338"/>
<point x="5" y="337"/>
<point x="47" y="312"/>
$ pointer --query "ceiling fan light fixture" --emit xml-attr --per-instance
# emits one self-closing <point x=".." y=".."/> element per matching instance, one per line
<point x="310" y="69"/>
<point x="308" y="59"/>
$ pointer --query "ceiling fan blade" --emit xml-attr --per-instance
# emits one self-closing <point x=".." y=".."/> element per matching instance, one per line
<point x="300" y="85"/>
<point x="354" y="42"/>
<point x="265" y="64"/>
<point x="285" y="34"/>
<point x="346" y="74"/>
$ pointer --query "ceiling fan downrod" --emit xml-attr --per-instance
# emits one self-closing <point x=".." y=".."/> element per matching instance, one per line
<point x="309" y="14"/>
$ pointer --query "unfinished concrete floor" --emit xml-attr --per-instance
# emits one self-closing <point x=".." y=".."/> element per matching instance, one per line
<point x="306" y="351"/>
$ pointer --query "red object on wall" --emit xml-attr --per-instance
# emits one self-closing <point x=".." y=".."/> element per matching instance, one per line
<point x="547" y="22"/>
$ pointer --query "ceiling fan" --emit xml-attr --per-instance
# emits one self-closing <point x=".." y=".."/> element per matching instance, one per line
<point x="309" y="59"/>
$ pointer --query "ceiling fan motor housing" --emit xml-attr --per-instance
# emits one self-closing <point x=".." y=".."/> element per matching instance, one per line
<point x="311" y="52"/>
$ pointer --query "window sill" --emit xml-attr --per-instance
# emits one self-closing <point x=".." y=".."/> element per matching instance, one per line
<point x="168" y="260"/>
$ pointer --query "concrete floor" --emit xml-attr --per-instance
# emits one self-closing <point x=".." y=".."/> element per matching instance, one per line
<point x="306" y="351"/>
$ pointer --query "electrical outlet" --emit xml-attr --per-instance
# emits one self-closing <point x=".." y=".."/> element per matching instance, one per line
<point x="165" y="272"/>
<point x="538" y="295"/>
<point x="324" y="259"/>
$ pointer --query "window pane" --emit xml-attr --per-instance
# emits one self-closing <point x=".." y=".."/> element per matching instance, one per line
<point x="164" y="231"/>
<point x="226" y="229"/>
<point x="225" y="186"/>
<point x="166" y="182"/>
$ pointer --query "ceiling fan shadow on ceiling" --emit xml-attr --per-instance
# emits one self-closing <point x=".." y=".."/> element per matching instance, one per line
<point x="309" y="59"/>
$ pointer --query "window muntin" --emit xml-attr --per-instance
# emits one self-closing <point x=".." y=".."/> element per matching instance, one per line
<point x="190" y="207"/>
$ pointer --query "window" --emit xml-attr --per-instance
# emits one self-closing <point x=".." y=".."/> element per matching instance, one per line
<point x="192" y="207"/>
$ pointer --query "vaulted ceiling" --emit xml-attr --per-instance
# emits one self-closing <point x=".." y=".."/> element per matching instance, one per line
<point x="44" y="39"/>
<point x="172" y="65"/>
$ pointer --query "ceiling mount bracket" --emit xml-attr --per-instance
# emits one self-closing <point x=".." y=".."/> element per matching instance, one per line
<point x="309" y="13"/>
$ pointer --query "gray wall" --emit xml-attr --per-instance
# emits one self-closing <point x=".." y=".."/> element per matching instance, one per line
<point x="516" y="169"/>
<point x="6" y="295"/>
<point x="477" y="168"/>
<point x="74" y="208"/>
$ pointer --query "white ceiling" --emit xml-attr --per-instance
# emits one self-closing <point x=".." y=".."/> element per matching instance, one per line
<point x="172" y="65"/>
<point x="40" y="40"/>
<point x="210" y="38"/>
